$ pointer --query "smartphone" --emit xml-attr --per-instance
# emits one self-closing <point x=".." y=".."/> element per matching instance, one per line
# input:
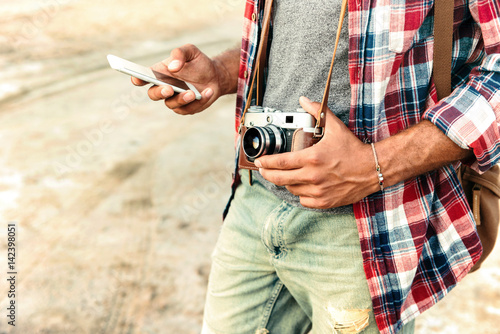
<point x="151" y="76"/>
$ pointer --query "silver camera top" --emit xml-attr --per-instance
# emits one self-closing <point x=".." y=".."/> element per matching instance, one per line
<point x="262" y="116"/>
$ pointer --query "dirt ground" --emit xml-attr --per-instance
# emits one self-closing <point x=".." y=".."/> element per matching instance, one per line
<point x="117" y="201"/>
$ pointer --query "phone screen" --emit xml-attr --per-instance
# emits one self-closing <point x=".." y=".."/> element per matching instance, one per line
<point x="149" y="75"/>
<point x="171" y="81"/>
<point x="130" y="67"/>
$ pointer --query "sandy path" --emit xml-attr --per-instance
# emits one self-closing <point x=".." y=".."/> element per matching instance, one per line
<point x="115" y="222"/>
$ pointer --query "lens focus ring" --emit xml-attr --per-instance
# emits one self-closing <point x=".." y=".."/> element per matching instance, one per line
<point x="258" y="141"/>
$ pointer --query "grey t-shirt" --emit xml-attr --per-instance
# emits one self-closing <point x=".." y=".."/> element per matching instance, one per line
<point x="301" y="51"/>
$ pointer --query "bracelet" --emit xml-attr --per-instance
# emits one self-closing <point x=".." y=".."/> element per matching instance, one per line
<point x="379" y="172"/>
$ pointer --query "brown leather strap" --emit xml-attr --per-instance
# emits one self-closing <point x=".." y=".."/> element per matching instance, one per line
<point x="260" y="60"/>
<point x="321" y="116"/>
<point x="443" y="46"/>
<point x="260" y="65"/>
<point x="268" y="8"/>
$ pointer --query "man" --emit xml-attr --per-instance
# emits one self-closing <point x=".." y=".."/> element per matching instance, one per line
<point x="322" y="240"/>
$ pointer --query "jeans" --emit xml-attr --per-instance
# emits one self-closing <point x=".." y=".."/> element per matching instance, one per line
<point x="280" y="269"/>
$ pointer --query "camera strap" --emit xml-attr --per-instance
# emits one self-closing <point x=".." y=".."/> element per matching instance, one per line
<point x="259" y="60"/>
<point x="321" y="117"/>
<point x="260" y="64"/>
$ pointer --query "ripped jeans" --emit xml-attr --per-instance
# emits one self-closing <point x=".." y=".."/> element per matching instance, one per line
<point x="279" y="269"/>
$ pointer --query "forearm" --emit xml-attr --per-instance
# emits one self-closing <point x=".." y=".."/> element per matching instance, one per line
<point x="340" y="169"/>
<point x="418" y="150"/>
<point x="228" y="64"/>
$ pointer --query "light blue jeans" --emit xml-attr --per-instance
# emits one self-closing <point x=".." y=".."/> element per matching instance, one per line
<point x="280" y="269"/>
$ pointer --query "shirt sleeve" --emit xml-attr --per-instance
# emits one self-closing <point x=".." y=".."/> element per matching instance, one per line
<point x="470" y="115"/>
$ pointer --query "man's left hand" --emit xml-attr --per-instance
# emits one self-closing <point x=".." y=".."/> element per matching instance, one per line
<point x="338" y="170"/>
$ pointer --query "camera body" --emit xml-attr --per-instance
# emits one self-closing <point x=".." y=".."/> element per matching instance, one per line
<point x="270" y="131"/>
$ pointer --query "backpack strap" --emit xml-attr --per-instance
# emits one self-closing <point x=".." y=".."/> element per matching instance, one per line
<point x="443" y="46"/>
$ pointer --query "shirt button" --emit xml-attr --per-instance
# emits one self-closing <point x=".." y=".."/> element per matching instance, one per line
<point x="254" y="17"/>
<point x="245" y="74"/>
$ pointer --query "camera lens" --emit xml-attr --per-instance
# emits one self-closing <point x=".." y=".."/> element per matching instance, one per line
<point x="259" y="141"/>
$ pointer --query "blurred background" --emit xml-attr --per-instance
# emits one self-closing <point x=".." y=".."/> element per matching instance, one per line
<point x="117" y="200"/>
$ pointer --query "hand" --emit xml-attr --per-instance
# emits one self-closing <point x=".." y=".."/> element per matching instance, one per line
<point x="338" y="170"/>
<point x="189" y="64"/>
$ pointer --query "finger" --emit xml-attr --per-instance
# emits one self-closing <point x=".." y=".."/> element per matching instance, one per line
<point x="332" y="122"/>
<point x="196" y="106"/>
<point x="157" y="93"/>
<point x="310" y="106"/>
<point x="138" y="82"/>
<point x="314" y="107"/>
<point x="307" y="190"/>
<point x="180" y="56"/>
<point x="180" y="99"/>
<point x="283" y="161"/>
<point x="186" y="104"/>
<point x="285" y="177"/>
<point x="315" y="203"/>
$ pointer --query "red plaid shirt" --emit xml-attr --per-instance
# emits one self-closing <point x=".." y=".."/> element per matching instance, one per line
<point x="418" y="237"/>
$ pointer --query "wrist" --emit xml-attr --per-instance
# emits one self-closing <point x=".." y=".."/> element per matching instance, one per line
<point x="378" y="169"/>
<point x="416" y="151"/>
<point x="365" y="166"/>
<point x="222" y="77"/>
<point x="372" y="174"/>
<point x="226" y="66"/>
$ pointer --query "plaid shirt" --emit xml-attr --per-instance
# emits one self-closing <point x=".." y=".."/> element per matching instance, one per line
<point x="417" y="237"/>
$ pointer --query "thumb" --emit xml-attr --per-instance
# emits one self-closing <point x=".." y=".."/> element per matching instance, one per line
<point x="180" y="56"/>
<point x="310" y="106"/>
<point x="313" y="108"/>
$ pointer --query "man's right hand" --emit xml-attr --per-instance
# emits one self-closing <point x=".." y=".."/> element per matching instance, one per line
<point x="212" y="77"/>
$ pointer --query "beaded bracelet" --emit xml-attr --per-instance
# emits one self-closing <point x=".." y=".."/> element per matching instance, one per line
<point x="379" y="172"/>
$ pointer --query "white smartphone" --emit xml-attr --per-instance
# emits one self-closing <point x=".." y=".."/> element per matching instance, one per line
<point x="151" y="76"/>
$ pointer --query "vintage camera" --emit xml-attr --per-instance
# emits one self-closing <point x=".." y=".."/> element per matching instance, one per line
<point x="271" y="131"/>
